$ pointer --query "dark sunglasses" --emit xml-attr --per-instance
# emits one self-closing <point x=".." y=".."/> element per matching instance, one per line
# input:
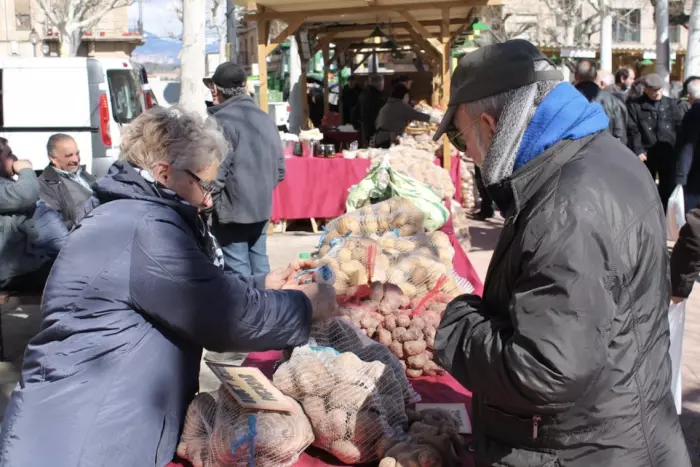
<point x="455" y="137"/>
<point x="207" y="187"/>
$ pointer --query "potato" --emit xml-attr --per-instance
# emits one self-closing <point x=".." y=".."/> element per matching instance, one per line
<point x="346" y="452"/>
<point x="417" y="361"/>
<point x="384" y="337"/>
<point x="346" y="363"/>
<point x="407" y="289"/>
<point x="312" y="377"/>
<point x="396" y="348"/>
<point x="314" y="407"/>
<point x="365" y="427"/>
<point x="397" y="334"/>
<point x="403" y="321"/>
<point x="283" y="379"/>
<point x="384" y="445"/>
<point x="411" y="334"/>
<point x="413" y="348"/>
<point x="344" y="255"/>
<point x="348" y="396"/>
<point x="334" y="425"/>
<point x="432" y="369"/>
<point x="377" y="292"/>
<point x="390" y="323"/>
<point x="418" y="323"/>
<point x="413" y="373"/>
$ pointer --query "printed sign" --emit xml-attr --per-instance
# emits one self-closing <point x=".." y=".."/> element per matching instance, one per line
<point x="251" y="388"/>
<point x="458" y="412"/>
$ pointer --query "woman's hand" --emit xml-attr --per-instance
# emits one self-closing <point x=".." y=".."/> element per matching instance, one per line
<point x="677" y="299"/>
<point x="285" y="277"/>
<point x="323" y="300"/>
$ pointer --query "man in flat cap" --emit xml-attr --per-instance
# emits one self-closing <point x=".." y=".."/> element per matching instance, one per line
<point x="654" y="121"/>
<point x="566" y="353"/>
<point x="252" y="169"/>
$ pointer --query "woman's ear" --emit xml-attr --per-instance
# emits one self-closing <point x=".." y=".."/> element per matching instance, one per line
<point x="161" y="173"/>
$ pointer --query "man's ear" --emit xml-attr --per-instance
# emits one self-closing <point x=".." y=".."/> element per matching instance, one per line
<point x="490" y="122"/>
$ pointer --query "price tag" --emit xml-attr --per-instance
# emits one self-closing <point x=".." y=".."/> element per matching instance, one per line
<point x="458" y="412"/>
<point x="251" y="388"/>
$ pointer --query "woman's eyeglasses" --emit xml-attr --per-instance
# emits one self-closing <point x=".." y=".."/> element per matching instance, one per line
<point x="207" y="187"/>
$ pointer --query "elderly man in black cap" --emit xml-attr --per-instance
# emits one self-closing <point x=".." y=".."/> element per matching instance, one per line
<point x="253" y="168"/>
<point x="654" y="121"/>
<point x="566" y="353"/>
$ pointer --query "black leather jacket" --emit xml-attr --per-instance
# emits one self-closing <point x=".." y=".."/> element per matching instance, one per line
<point x="614" y="108"/>
<point x="566" y="354"/>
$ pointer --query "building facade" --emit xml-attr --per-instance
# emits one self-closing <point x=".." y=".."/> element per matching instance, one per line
<point x="22" y="22"/>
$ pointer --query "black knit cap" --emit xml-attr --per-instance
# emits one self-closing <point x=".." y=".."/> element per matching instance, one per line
<point x="492" y="70"/>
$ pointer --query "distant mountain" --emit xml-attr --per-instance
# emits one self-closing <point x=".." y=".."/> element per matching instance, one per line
<point x="164" y="50"/>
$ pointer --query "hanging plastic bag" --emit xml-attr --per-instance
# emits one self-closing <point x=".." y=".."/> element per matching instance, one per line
<point x="383" y="183"/>
<point x="676" y="325"/>
<point x="675" y="214"/>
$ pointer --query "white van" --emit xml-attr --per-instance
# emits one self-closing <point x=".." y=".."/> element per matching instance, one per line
<point x="87" y="98"/>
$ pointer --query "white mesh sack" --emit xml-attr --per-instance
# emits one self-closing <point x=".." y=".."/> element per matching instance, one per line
<point x="354" y="407"/>
<point x="218" y="432"/>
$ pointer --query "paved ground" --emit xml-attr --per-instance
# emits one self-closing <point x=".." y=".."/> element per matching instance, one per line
<point x="19" y="324"/>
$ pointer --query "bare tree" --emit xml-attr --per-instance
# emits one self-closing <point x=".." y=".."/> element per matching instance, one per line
<point x="501" y="30"/>
<point x="692" y="64"/>
<point x="192" y="90"/>
<point x="72" y="18"/>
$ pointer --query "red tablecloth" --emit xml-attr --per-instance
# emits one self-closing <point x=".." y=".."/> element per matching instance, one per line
<point x="438" y="389"/>
<point x="460" y="262"/>
<point x="316" y="187"/>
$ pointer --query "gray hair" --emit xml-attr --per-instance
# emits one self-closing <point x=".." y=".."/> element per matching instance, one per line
<point x="231" y="92"/>
<point x="608" y="79"/>
<point x="694" y="89"/>
<point x="375" y="80"/>
<point x="54" y="140"/>
<point x="183" y="139"/>
<point x="513" y="111"/>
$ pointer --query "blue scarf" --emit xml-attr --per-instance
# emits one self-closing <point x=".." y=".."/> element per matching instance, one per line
<point x="563" y="114"/>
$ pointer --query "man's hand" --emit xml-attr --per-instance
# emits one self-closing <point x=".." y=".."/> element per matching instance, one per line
<point x="323" y="300"/>
<point x="20" y="165"/>
<point x="676" y="299"/>
<point x="643" y="157"/>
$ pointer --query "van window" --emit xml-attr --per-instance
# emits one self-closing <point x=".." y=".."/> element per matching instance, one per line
<point x="1" y="108"/>
<point x="124" y="94"/>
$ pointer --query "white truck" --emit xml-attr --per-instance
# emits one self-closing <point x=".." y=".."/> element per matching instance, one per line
<point x="89" y="99"/>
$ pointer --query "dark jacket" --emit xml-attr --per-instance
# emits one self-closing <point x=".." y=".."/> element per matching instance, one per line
<point x="685" y="259"/>
<point x="350" y="97"/>
<point x="651" y="123"/>
<point x="688" y="165"/>
<point x="254" y="165"/>
<point x="371" y="102"/>
<point x="614" y="108"/>
<point x="68" y="201"/>
<point x="130" y="302"/>
<point x="18" y="229"/>
<point x="567" y="352"/>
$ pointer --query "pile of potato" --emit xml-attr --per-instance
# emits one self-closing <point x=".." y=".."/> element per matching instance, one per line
<point x="352" y="405"/>
<point x="460" y="221"/>
<point x="433" y="441"/>
<point x="396" y="321"/>
<point x="215" y="421"/>
<point x="420" y="165"/>
<point x="469" y="191"/>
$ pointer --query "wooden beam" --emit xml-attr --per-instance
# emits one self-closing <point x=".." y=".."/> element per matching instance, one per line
<point x="326" y="69"/>
<point x="446" y="80"/>
<point x="263" y="33"/>
<point x="338" y="53"/>
<point x="464" y="27"/>
<point x="268" y="15"/>
<point x="324" y="40"/>
<point x="360" y="63"/>
<point x="418" y="27"/>
<point x="425" y="57"/>
<point x="370" y="26"/>
<point x="419" y="40"/>
<point x="282" y="36"/>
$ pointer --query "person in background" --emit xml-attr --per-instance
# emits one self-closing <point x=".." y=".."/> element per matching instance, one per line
<point x="395" y="116"/>
<point x="654" y="121"/>
<point x="31" y="234"/>
<point x="350" y="97"/>
<point x="566" y="353"/>
<point x="688" y="149"/>
<point x="624" y="78"/>
<point x="137" y="292"/>
<point x="65" y="184"/>
<point x="586" y="77"/>
<point x="253" y="168"/>
<point x="685" y="257"/>
<point x="371" y="101"/>
<point x="635" y="92"/>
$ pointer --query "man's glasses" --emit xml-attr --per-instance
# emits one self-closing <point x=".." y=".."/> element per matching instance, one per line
<point x="207" y="187"/>
<point x="455" y="136"/>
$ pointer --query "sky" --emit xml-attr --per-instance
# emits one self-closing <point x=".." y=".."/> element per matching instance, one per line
<point x="159" y="17"/>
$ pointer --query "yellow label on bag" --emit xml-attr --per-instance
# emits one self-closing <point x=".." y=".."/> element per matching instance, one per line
<point x="251" y="388"/>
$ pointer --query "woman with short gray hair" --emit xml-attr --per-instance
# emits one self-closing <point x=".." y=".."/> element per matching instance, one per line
<point x="134" y="296"/>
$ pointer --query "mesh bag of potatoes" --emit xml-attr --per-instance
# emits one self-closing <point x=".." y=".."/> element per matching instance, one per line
<point x="355" y="407"/>
<point x="395" y="214"/>
<point x="218" y="432"/>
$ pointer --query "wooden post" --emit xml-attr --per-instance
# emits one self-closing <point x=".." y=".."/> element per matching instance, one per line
<point x="326" y="68"/>
<point x="446" y="81"/>
<point x="263" y="32"/>
<point x="304" y="95"/>
<point x="340" y="84"/>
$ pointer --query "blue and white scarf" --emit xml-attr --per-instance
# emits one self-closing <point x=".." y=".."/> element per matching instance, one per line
<point x="210" y="244"/>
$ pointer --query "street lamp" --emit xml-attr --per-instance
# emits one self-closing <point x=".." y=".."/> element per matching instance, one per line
<point x="34" y="39"/>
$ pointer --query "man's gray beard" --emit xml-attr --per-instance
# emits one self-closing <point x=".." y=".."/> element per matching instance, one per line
<point x="520" y="107"/>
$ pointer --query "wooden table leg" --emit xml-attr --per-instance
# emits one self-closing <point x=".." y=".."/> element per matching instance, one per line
<point x="284" y="225"/>
<point x="314" y="225"/>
